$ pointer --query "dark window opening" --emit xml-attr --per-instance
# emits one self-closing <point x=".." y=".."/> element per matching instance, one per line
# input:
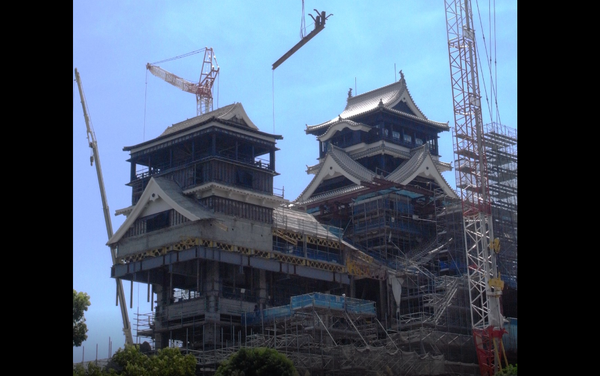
<point x="244" y="178"/>
<point x="157" y="221"/>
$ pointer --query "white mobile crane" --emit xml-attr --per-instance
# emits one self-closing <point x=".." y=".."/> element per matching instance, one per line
<point x="202" y="89"/>
<point x="96" y="157"/>
<point x="485" y="285"/>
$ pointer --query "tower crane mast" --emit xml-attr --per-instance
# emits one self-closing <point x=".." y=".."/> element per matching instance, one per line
<point x="96" y="157"/>
<point x="485" y="285"/>
<point x="202" y="89"/>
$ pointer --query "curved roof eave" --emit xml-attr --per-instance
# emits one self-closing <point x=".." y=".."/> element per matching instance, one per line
<point x="224" y="113"/>
<point x="340" y="125"/>
<point x="221" y="115"/>
<point x="384" y="97"/>
<point x="170" y="193"/>
<point x="420" y="164"/>
<point x="337" y="162"/>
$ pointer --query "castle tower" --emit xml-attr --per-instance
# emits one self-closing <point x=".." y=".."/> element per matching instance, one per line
<point x="202" y="195"/>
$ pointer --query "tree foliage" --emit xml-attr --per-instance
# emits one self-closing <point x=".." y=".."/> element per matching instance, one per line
<point x="81" y="302"/>
<point x="92" y="370"/>
<point x="257" y="362"/>
<point x="509" y="370"/>
<point x="131" y="361"/>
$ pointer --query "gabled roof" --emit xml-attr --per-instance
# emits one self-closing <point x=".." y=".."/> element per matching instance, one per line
<point x="394" y="97"/>
<point x="223" y="113"/>
<point x="232" y="115"/>
<point x="337" y="162"/>
<point x="161" y="194"/>
<point x="420" y="164"/>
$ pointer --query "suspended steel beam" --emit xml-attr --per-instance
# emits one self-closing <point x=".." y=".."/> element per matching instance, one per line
<point x="319" y="25"/>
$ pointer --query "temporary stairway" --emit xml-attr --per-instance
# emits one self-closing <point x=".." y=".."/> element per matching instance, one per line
<point x="445" y="290"/>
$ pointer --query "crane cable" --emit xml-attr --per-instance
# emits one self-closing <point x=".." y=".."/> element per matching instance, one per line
<point x="145" y="100"/>
<point x="493" y="76"/>
<point x="302" y="23"/>
<point x="180" y="56"/>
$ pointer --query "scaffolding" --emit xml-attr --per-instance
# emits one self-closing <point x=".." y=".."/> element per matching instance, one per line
<point x="323" y="334"/>
<point x="501" y="153"/>
<point x="366" y="283"/>
<point x="422" y="327"/>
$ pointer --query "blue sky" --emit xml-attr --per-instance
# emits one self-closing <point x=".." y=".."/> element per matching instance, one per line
<point x="363" y="46"/>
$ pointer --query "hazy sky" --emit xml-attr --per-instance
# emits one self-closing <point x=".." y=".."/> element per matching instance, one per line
<point x="363" y="46"/>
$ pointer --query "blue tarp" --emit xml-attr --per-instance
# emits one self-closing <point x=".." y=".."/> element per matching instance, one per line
<point x="317" y="300"/>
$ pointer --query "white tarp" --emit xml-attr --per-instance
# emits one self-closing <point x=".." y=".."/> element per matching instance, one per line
<point x="396" y="289"/>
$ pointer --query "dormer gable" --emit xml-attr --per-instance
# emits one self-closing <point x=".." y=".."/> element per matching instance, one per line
<point x="161" y="195"/>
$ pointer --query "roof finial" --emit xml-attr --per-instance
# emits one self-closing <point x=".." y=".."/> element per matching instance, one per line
<point x="401" y="75"/>
<point x="380" y="102"/>
<point x="350" y="93"/>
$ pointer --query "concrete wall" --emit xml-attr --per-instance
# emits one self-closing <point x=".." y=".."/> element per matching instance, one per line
<point x="232" y="231"/>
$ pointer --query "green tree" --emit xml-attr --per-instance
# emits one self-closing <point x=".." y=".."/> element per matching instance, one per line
<point x="81" y="302"/>
<point x="257" y="362"/>
<point x="92" y="370"/>
<point x="509" y="370"/>
<point x="130" y="361"/>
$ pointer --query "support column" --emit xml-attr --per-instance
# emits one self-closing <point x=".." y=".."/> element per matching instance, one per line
<point x="262" y="289"/>
<point x="162" y="297"/>
<point x="132" y="175"/>
<point x="383" y="298"/>
<point x="213" y="288"/>
<point x="212" y="315"/>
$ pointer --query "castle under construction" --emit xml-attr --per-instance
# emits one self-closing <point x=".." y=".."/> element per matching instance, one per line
<point x="363" y="273"/>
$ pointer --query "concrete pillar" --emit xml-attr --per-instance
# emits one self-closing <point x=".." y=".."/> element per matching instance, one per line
<point x="383" y="299"/>
<point x="211" y="338"/>
<point x="262" y="285"/>
<point x="213" y="286"/>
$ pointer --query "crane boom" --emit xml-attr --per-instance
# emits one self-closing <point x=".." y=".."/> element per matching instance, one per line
<point x="174" y="80"/>
<point x="202" y="89"/>
<point x="94" y="146"/>
<point x="485" y="286"/>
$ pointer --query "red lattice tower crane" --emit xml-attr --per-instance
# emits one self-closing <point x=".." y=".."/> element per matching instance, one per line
<point x="485" y="285"/>
<point x="203" y="89"/>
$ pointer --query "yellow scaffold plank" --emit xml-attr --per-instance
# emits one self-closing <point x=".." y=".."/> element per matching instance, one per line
<point x="324" y="242"/>
<point x="287" y="236"/>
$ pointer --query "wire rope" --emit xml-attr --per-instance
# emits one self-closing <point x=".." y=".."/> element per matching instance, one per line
<point x="145" y="100"/>
<point x="492" y="102"/>
<point x="180" y="56"/>
<point x="273" y="94"/>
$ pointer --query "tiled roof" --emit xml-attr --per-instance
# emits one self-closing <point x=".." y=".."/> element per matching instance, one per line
<point x="171" y="193"/>
<point x="420" y="162"/>
<point x="299" y="221"/>
<point x="175" y="193"/>
<point x="346" y="163"/>
<point x="224" y="113"/>
<point x="234" y="114"/>
<point x="350" y="165"/>
<point x="408" y="168"/>
<point x="331" y="129"/>
<point x="386" y="96"/>
<point x="288" y="218"/>
<point x="403" y="173"/>
<point x="329" y="194"/>
<point x="381" y="148"/>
